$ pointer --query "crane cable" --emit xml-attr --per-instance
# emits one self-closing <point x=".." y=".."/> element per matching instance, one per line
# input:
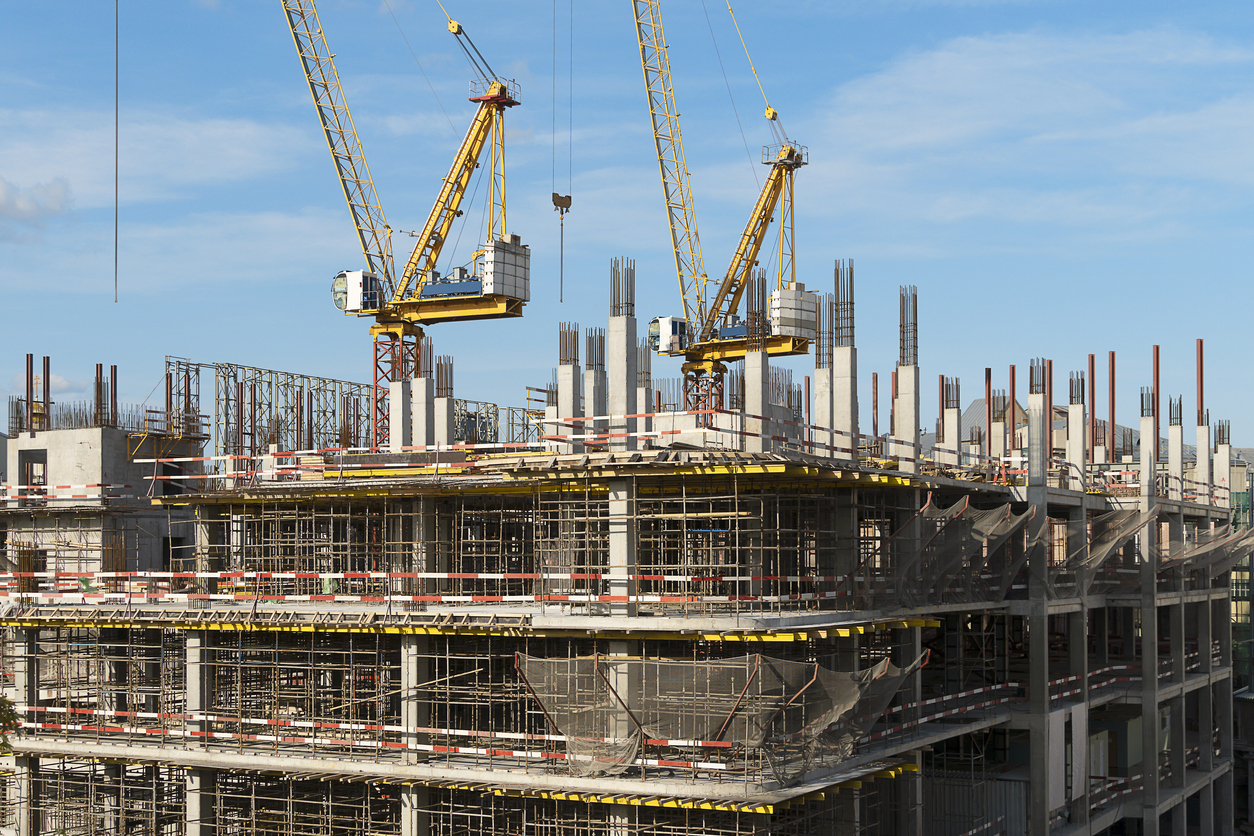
<point x="771" y="113"/>
<point x="480" y="66"/>
<point x="730" y="97"/>
<point x="452" y="127"/>
<point x="561" y="203"/>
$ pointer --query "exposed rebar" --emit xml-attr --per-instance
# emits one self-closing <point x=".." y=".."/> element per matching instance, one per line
<point x="568" y="343"/>
<point x="844" y="303"/>
<point x="909" y="308"/>
<point x="622" y="287"/>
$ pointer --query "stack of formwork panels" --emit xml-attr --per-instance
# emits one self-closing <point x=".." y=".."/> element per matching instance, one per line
<point x="507" y="268"/>
<point x="794" y="312"/>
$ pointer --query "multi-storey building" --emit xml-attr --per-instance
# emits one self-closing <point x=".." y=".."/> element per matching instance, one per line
<point x="609" y="632"/>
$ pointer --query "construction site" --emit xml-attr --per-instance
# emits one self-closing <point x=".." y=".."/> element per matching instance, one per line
<point x="714" y="604"/>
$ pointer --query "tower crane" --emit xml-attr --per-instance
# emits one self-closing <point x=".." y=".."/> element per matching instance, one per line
<point x="497" y="283"/>
<point x="710" y="334"/>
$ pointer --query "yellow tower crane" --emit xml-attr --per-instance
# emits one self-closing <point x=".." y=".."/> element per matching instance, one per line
<point x="711" y="334"/>
<point x="497" y="284"/>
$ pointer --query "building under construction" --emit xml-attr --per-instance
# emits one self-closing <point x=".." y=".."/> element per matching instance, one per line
<point x="754" y="619"/>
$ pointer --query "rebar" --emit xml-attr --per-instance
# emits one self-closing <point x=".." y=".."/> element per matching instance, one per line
<point x="622" y="287"/>
<point x="843" y="319"/>
<point x="568" y="343"/>
<point x="595" y="357"/>
<point x="909" y="309"/>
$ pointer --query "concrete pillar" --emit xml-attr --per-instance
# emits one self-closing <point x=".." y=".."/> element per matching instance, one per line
<point x="1077" y="447"/>
<point x="415" y="695"/>
<point x="204" y="533"/>
<point x="622" y="543"/>
<point x="1042" y="784"/>
<point x="1202" y="474"/>
<point x="415" y="818"/>
<point x="644" y="406"/>
<point x="200" y="786"/>
<point x="200" y="684"/>
<point x="1148" y="473"/>
<point x="1223" y="475"/>
<point x="997" y="441"/>
<point x="1038" y="445"/>
<point x="445" y="426"/>
<point x="952" y="422"/>
<point x="906" y="422"/>
<point x="422" y="394"/>
<point x="1175" y="740"/>
<point x="845" y="401"/>
<point x="1175" y="462"/>
<point x="569" y="406"/>
<point x="1150" y="794"/>
<point x="400" y="416"/>
<point x="621" y="357"/>
<point x="29" y="819"/>
<point x="109" y="797"/>
<point x="757" y="436"/>
<point x="551" y="427"/>
<point x="826" y="441"/>
<point x="595" y="400"/>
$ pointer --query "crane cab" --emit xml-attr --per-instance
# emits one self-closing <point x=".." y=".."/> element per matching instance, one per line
<point x="668" y="334"/>
<point x="355" y="290"/>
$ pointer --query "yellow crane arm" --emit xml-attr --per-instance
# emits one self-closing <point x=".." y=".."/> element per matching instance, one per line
<point x="488" y="120"/>
<point x="732" y="288"/>
<point x="341" y="134"/>
<point x="685" y="242"/>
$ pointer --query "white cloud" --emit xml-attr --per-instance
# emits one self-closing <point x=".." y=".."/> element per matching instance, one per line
<point x="1115" y="135"/>
<point x="162" y="154"/>
<point x="25" y="211"/>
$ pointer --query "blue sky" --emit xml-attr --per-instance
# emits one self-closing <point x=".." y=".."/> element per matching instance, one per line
<point x="1056" y="177"/>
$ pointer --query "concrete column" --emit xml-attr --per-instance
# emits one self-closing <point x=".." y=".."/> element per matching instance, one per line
<point x="595" y="400"/>
<point x="997" y="441"/>
<point x="1038" y="446"/>
<point x="1201" y="475"/>
<point x="200" y="786"/>
<point x="569" y="406"/>
<point x="415" y="818"/>
<point x="622" y="542"/>
<point x="1150" y="794"/>
<point x="952" y="422"/>
<point x="400" y="416"/>
<point x="551" y="427"/>
<point x="415" y="694"/>
<point x="1042" y="780"/>
<point x="825" y="439"/>
<point x="1077" y="447"/>
<point x="29" y="819"/>
<point x="621" y="357"/>
<point x="204" y="533"/>
<point x="845" y="400"/>
<point x="1223" y="475"/>
<point x="109" y="797"/>
<point x="445" y="428"/>
<point x="422" y="394"/>
<point x="1148" y="474"/>
<point x="1175" y="740"/>
<point x="906" y="423"/>
<point x="1175" y="462"/>
<point x="644" y="406"/>
<point x="757" y="403"/>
